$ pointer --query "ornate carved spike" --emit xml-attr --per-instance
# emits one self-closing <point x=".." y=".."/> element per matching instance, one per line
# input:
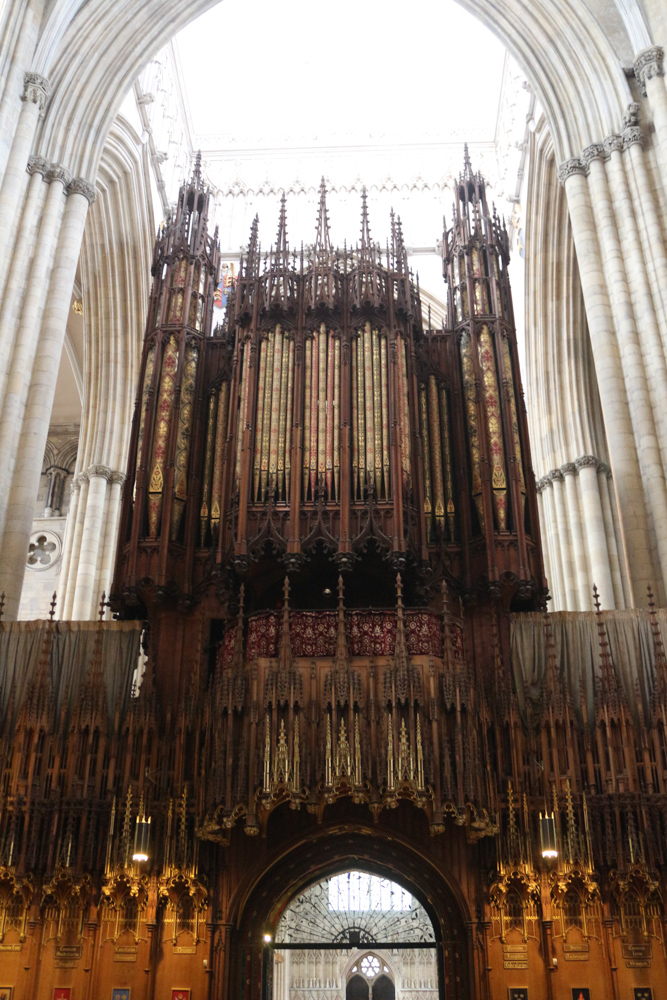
<point x="267" y="754"/>
<point x="341" y="643"/>
<point x="112" y="823"/>
<point x="357" y="752"/>
<point x="512" y="830"/>
<point x="572" y="835"/>
<point x="2" y="605"/>
<point x="282" y="251"/>
<point x="53" y="606"/>
<point x="596" y="599"/>
<point x="281" y="768"/>
<point x="401" y="652"/>
<point x="322" y="238"/>
<point x="420" y="756"/>
<point x="127" y="825"/>
<point x="103" y="604"/>
<point x="296" y="754"/>
<point x="183" y="827"/>
<point x="329" y="757"/>
<point x="587" y="832"/>
<point x="467" y="166"/>
<point x="390" y="753"/>
<point x="196" y="173"/>
<point x="365" y="228"/>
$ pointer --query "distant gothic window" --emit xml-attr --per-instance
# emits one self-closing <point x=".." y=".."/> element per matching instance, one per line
<point x="383" y="989"/>
<point x="357" y="989"/>
<point x="360" y="891"/>
<point x="370" y="966"/>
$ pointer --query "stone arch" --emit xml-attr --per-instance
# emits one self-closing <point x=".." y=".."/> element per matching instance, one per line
<point x="268" y="888"/>
<point x="557" y="48"/>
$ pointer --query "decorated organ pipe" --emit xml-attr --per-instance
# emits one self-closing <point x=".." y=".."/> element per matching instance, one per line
<point x="321" y="413"/>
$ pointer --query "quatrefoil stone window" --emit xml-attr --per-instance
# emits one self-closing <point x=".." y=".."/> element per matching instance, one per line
<point x="44" y="550"/>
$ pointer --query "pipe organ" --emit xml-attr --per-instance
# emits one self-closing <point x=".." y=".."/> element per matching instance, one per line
<point x="330" y="555"/>
<point x="322" y="416"/>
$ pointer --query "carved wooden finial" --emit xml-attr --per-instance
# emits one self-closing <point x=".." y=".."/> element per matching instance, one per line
<point x="103" y="605"/>
<point x="53" y="606"/>
<point x="596" y="599"/>
<point x="2" y="605"/>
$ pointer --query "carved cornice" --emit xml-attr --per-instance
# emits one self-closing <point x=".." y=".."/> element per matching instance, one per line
<point x="36" y="90"/>
<point x="648" y="65"/>
<point x="79" y="185"/>
<point x="571" y="167"/>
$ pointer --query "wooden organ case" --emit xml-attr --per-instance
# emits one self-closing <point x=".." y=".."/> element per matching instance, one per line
<point x="322" y="429"/>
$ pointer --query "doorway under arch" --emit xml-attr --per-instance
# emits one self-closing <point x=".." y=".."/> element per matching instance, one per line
<point x="258" y="905"/>
<point x="323" y="936"/>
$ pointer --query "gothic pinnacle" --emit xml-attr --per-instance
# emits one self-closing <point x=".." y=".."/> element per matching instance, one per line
<point x="322" y="238"/>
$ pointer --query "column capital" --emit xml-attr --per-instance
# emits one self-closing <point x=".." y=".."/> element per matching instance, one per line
<point x="99" y="471"/>
<point x="57" y="172"/>
<point x="569" y="469"/>
<point x="36" y="90"/>
<point x="631" y="135"/>
<point x="595" y="151"/>
<point x="570" y="167"/>
<point x="38" y="165"/>
<point x="541" y="484"/>
<point x="79" y="185"/>
<point x="649" y="64"/>
<point x="613" y="144"/>
<point x="554" y="475"/>
<point x="605" y="469"/>
<point x="586" y="461"/>
<point x="117" y="477"/>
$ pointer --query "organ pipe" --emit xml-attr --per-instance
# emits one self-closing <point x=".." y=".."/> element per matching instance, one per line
<point x="361" y="412"/>
<point x="450" y="506"/>
<point x="282" y="427"/>
<point x="205" y="509"/>
<point x="487" y="362"/>
<point x="288" y="432"/>
<point x="509" y="383"/>
<point x="385" y="414"/>
<point x="306" y="416"/>
<point x="314" y="407"/>
<point x="220" y="442"/>
<point x="368" y="392"/>
<point x="336" y="419"/>
<point x="257" y="451"/>
<point x="161" y="435"/>
<point x="470" y="396"/>
<point x="145" y="393"/>
<point x="423" y="419"/>
<point x="436" y="451"/>
<point x="184" y="436"/>
<point x="266" y="424"/>
<point x="377" y="414"/>
<point x="355" y="422"/>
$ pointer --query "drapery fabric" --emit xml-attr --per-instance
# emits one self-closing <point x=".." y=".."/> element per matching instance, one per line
<point x="70" y="647"/>
<point x="577" y="654"/>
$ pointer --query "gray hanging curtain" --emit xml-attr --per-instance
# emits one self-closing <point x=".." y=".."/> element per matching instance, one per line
<point x="577" y="653"/>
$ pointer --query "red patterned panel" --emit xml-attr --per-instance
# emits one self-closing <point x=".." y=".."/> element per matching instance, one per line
<point x="313" y="633"/>
<point x="424" y="633"/>
<point x="371" y="633"/>
<point x="226" y="650"/>
<point x="263" y="636"/>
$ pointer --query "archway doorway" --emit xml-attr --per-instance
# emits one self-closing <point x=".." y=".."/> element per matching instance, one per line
<point x="354" y="935"/>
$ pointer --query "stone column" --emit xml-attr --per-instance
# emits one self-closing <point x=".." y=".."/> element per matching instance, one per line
<point x="85" y="596"/>
<point x="563" y="539"/>
<point x="54" y="495"/>
<point x="35" y="95"/>
<point x="649" y="72"/>
<point x="594" y="530"/>
<point x="22" y="358"/>
<point x="618" y="572"/>
<point x="611" y="384"/>
<point x="580" y="559"/>
<point x="34" y="431"/>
